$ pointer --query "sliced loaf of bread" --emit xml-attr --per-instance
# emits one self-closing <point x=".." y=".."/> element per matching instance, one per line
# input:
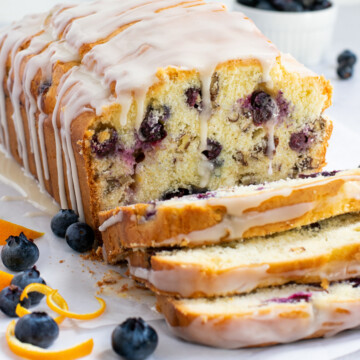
<point x="323" y="251"/>
<point x="228" y="214"/>
<point x="265" y="317"/>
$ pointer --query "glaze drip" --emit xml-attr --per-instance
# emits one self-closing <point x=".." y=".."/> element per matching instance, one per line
<point x="117" y="48"/>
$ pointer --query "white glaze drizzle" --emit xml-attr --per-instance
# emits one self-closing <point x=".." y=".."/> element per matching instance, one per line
<point x="127" y="60"/>
<point x="111" y="221"/>
<point x="194" y="276"/>
<point x="269" y="323"/>
<point x="12" y="38"/>
<point x="239" y="219"/>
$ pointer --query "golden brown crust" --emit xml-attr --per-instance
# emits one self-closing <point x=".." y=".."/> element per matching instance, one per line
<point x="245" y="329"/>
<point x="303" y="271"/>
<point x="80" y="125"/>
<point x="170" y="222"/>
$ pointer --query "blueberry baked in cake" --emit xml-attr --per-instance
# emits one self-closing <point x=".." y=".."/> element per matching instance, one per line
<point x="106" y="108"/>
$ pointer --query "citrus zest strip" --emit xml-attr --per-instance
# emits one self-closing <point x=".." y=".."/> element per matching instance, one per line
<point x="5" y="279"/>
<point x="46" y="290"/>
<point x="32" y="352"/>
<point x="10" y="229"/>
<point x="50" y="300"/>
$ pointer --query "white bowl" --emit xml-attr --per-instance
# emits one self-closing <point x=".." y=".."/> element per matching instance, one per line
<point x="305" y="35"/>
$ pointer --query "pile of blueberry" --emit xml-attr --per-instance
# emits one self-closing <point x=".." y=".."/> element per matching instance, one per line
<point x="20" y="255"/>
<point x="287" y="5"/>
<point x="79" y="236"/>
<point x="134" y="339"/>
<point x="346" y="61"/>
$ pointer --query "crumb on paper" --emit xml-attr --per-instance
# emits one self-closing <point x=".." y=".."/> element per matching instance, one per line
<point x="94" y="255"/>
<point x="325" y="284"/>
<point x="61" y="261"/>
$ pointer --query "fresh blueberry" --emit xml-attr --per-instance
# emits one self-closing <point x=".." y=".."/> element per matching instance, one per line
<point x="105" y="143"/>
<point x="265" y="5"/>
<point x="152" y="128"/>
<point x="347" y="57"/>
<point x="37" y="328"/>
<point x="19" y="253"/>
<point x="321" y="5"/>
<point x="264" y="107"/>
<point x="251" y="3"/>
<point x="213" y="149"/>
<point x="193" y="98"/>
<point x="27" y="277"/>
<point x="80" y="237"/>
<point x="44" y="87"/>
<point x="300" y="141"/>
<point x="134" y="339"/>
<point x="62" y="220"/>
<point x="293" y="299"/>
<point x="307" y="4"/>
<point x="180" y="192"/>
<point x="345" y="71"/>
<point x="9" y="298"/>
<point x="287" y="5"/>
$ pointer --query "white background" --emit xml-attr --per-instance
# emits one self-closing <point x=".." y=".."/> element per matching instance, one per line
<point x="78" y="285"/>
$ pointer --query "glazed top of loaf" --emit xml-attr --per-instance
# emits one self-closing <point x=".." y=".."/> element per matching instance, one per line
<point x="118" y="48"/>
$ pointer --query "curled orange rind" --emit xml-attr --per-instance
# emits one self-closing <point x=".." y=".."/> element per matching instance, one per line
<point x="46" y="290"/>
<point x="32" y="352"/>
<point x="5" y="279"/>
<point x="51" y="302"/>
<point x="10" y="229"/>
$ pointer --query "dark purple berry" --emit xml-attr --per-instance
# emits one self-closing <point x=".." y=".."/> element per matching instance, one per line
<point x="44" y="87"/>
<point x="27" y="277"/>
<point x="62" y="220"/>
<point x="355" y="282"/>
<point x="265" y="5"/>
<point x="37" y="329"/>
<point x="213" y="149"/>
<point x="180" y="192"/>
<point x="307" y="4"/>
<point x="263" y="107"/>
<point x="152" y="128"/>
<point x="292" y="299"/>
<point x="314" y="175"/>
<point x="321" y="5"/>
<point x="287" y="5"/>
<point x="134" y="339"/>
<point x="19" y="253"/>
<point x="300" y="141"/>
<point x="347" y="57"/>
<point x="251" y="3"/>
<point x="80" y="237"/>
<point x="315" y="226"/>
<point x="104" y="143"/>
<point x="345" y="71"/>
<point x="10" y="298"/>
<point x="193" y="98"/>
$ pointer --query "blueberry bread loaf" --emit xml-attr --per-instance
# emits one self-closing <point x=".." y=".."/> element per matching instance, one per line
<point x="266" y="317"/>
<point x="229" y="214"/>
<point x="111" y="103"/>
<point x="324" y="251"/>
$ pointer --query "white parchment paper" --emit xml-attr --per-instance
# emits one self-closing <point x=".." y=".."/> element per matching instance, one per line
<point x="77" y="278"/>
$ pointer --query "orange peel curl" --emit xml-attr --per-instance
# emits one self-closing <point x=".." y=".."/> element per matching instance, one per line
<point x="46" y="290"/>
<point x="51" y="302"/>
<point x="32" y="352"/>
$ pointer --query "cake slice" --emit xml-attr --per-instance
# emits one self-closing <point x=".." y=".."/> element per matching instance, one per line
<point x="113" y="103"/>
<point x="228" y="214"/>
<point x="266" y="317"/>
<point x="323" y="251"/>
